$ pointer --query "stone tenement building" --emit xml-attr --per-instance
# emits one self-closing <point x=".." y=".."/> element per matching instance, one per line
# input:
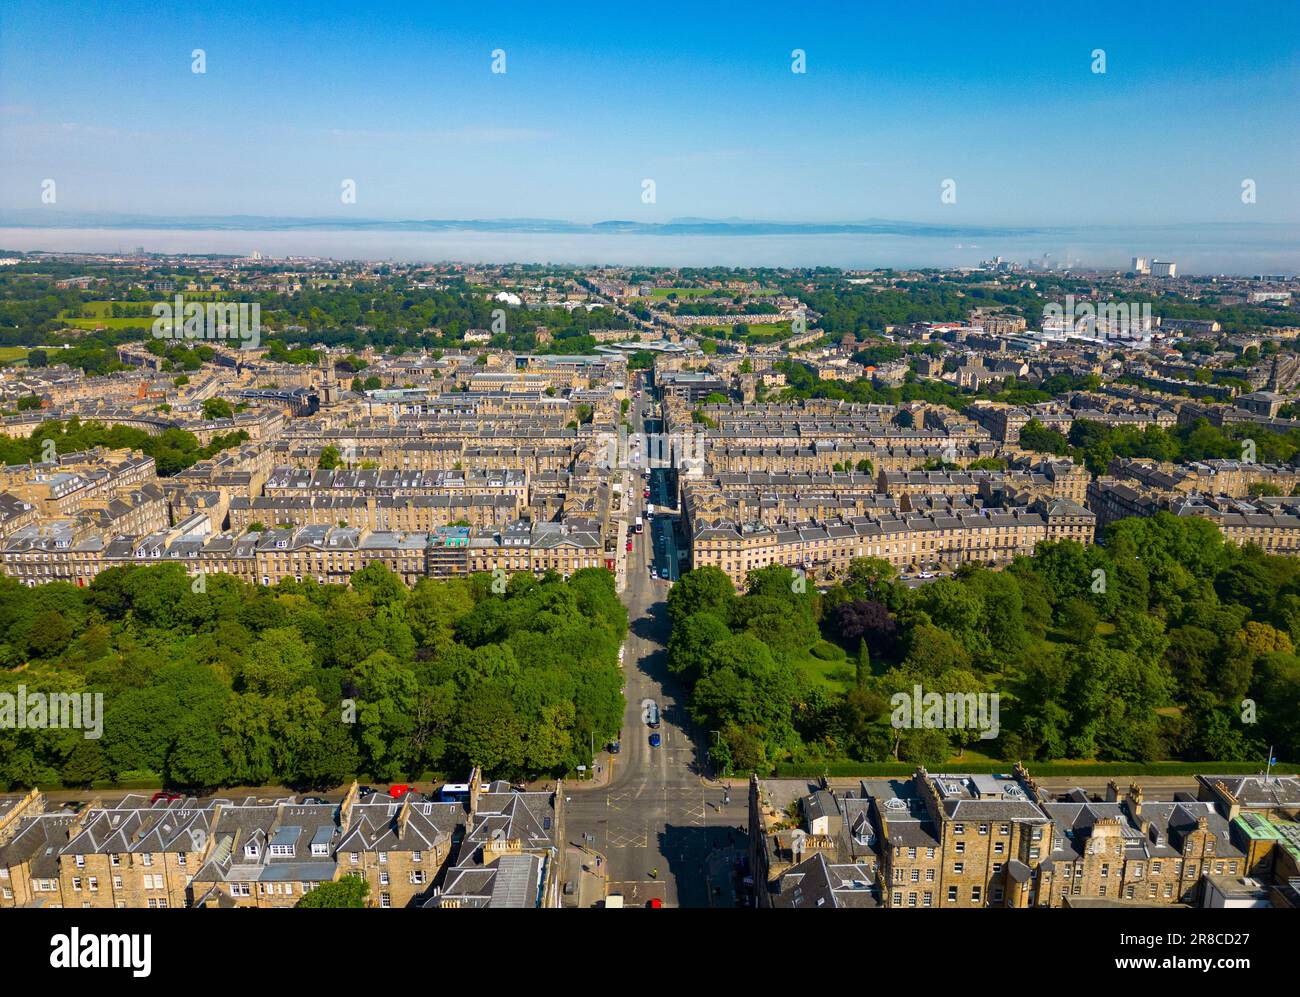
<point x="407" y="514"/>
<point x="1233" y="478"/>
<point x="822" y="457"/>
<point x="62" y="501"/>
<point x="772" y="500"/>
<point x="285" y="482"/>
<point x="1055" y="480"/>
<point x="907" y="541"/>
<point x="1000" y="841"/>
<point x="229" y="853"/>
<point x="1271" y="523"/>
<point x="68" y="552"/>
<point x="403" y="450"/>
<point x="75" y="482"/>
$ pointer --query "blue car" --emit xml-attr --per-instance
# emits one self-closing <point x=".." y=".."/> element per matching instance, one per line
<point x="654" y="740"/>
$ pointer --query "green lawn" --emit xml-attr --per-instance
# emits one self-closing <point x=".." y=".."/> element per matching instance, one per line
<point x="14" y="354"/>
<point x="834" y="676"/>
<point x="109" y="323"/>
<point x="99" y="312"/>
<point x="691" y="292"/>
<point x="769" y="329"/>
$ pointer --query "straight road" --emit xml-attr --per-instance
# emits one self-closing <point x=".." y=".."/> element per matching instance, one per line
<point x="665" y="833"/>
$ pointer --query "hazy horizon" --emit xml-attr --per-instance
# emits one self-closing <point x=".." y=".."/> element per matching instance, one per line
<point x="1226" y="249"/>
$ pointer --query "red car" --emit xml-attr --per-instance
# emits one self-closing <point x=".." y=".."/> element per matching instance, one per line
<point x="165" y="795"/>
<point x="629" y="546"/>
<point x="397" y="792"/>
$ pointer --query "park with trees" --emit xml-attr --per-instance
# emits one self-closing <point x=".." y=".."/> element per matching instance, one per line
<point x="309" y="685"/>
<point x="1165" y="644"/>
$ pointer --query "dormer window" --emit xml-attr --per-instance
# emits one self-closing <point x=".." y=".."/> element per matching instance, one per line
<point x="319" y="850"/>
<point x="251" y="850"/>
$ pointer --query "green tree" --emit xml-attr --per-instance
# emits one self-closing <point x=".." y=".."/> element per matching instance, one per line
<point x="350" y="891"/>
<point x="217" y="408"/>
<point x="330" y="458"/>
<point x="706" y="589"/>
<point x="692" y="642"/>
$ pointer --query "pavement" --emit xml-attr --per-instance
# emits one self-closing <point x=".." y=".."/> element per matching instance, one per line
<point x="587" y="873"/>
<point x="663" y="829"/>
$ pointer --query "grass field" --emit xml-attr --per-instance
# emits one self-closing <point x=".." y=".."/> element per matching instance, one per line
<point x="781" y="329"/>
<point x="835" y="676"/>
<point x="690" y="292"/>
<point x="99" y="312"/>
<point x="108" y="323"/>
<point x="775" y="330"/>
<point x="13" y="355"/>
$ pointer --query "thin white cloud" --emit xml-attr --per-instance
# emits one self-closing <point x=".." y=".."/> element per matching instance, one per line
<point x="469" y="135"/>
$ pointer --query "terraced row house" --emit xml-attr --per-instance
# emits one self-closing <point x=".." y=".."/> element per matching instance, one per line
<point x="1271" y="523"/>
<point x="933" y="538"/>
<point x="470" y="848"/>
<point x="75" y="552"/>
<point x="1001" y="841"/>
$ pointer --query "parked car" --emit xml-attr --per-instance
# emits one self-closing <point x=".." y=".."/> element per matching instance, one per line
<point x="654" y="739"/>
<point x="398" y="791"/>
<point x="615" y="747"/>
<point x="315" y="800"/>
<point x="652" y="715"/>
<point x="164" y="795"/>
<point x="663" y="572"/>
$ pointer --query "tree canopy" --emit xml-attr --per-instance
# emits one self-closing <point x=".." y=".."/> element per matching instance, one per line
<point x="1164" y="642"/>
<point x="309" y="685"/>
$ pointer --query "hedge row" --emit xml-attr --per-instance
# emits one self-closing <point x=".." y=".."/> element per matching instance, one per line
<point x="1084" y="770"/>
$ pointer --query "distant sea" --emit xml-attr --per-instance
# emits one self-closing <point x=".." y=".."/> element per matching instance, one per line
<point x="1209" y="249"/>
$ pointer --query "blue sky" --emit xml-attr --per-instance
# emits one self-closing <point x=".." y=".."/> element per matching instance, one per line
<point x="700" y="98"/>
